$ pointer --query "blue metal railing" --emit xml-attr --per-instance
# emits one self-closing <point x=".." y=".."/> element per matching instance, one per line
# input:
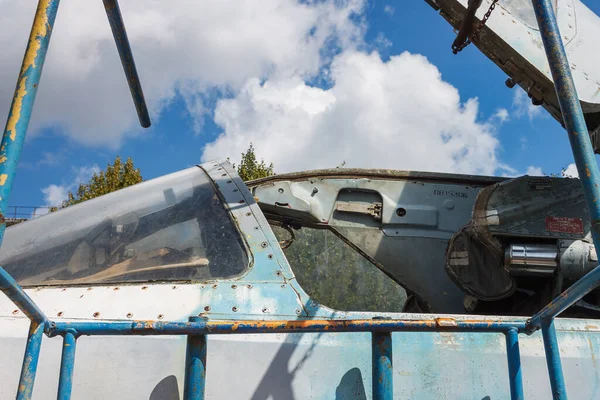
<point x="197" y="329"/>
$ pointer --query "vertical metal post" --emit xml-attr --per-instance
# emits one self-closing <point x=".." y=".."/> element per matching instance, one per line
<point x="30" y="361"/>
<point x="67" y="366"/>
<point x="383" y="388"/>
<point x="23" y="99"/>
<point x="195" y="366"/>
<point x="514" y="364"/>
<point x="574" y="121"/>
<point x="557" y="380"/>
<point x="120" y="34"/>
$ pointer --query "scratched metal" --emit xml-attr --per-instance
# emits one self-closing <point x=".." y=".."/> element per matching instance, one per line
<point x="512" y="40"/>
<point x="324" y="365"/>
<point x="23" y="99"/>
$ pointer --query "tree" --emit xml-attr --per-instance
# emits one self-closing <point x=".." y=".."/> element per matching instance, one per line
<point x="117" y="175"/>
<point x="250" y="168"/>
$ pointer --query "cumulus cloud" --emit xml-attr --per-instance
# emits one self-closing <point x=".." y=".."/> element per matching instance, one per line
<point x="397" y="114"/>
<point x="55" y="194"/>
<point x="534" y="171"/>
<point x="389" y="10"/>
<point x="177" y="44"/>
<point x="522" y="105"/>
<point x="570" y="171"/>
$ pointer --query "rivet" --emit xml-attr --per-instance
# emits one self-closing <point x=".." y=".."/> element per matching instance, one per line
<point x="129" y="315"/>
<point x="15" y="312"/>
<point x="144" y="287"/>
<point x="219" y="169"/>
<point x="264" y="244"/>
<point x="89" y="288"/>
<point x="242" y="201"/>
<point x="249" y="286"/>
<point x="256" y="228"/>
<point x="160" y="316"/>
<point x="174" y="287"/>
<point x="248" y="214"/>
<point x="223" y="174"/>
<point x="230" y="181"/>
<point x="280" y="190"/>
<point x="64" y="290"/>
<point x="215" y="286"/>
<point x="270" y="256"/>
<point x="265" y="310"/>
<point x="283" y="286"/>
<point x="278" y="273"/>
<point x="234" y="286"/>
<point x="116" y="288"/>
<point x="59" y="314"/>
<point x="96" y="314"/>
<point x="298" y="311"/>
<point x="234" y="309"/>
<point x="235" y="190"/>
<point x="207" y="308"/>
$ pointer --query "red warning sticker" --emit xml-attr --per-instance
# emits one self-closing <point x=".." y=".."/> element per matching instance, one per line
<point x="564" y="224"/>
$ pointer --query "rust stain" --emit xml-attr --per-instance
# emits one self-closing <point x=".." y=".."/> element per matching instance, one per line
<point x="3" y="159"/>
<point x="591" y="327"/>
<point x="3" y="179"/>
<point x="39" y="30"/>
<point x="594" y="360"/>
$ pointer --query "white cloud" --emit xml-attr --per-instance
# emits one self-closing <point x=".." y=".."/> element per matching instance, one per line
<point x="55" y="194"/>
<point x="389" y="10"/>
<point x="206" y="44"/>
<point x="382" y="42"/>
<point x="397" y="114"/>
<point x="522" y="105"/>
<point x="571" y="171"/>
<point x="501" y="115"/>
<point x="534" y="171"/>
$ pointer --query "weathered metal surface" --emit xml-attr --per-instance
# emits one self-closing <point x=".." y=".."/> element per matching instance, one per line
<point x="120" y="34"/>
<point x="30" y="361"/>
<point x="67" y="366"/>
<point x="555" y="371"/>
<point x="195" y="366"/>
<point x="515" y="376"/>
<point x="513" y="41"/>
<point x="23" y="99"/>
<point x="19" y="298"/>
<point x="383" y="367"/>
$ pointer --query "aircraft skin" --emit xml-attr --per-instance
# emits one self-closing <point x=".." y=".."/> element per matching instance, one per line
<point x="269" y="366"/>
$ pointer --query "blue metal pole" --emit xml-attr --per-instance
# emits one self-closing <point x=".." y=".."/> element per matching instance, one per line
<point x="67" y="366"/>
<point x="514" y="365"/>
<point x="574" y="121"/>
<point x="15" y="293"/>
<point x="30" y="361"/>
<point x="294" y="326"/>
<point x="195" y="366"/>
<point x="383" y="388"/>
<point x="557" y="380"/>
<point x="120" y="34"/>
<point x="566" y="299"/>
<point x="23" y="99"/>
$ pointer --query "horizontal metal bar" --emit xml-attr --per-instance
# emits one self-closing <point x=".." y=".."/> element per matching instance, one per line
<point x="17" y="295"/>
<point x="566" y="299"/>
<point x="303" y="326"/>
<point x="124" y="48"/>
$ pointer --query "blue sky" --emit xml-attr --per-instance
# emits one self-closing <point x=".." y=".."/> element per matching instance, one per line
<point x="201" y="91"/>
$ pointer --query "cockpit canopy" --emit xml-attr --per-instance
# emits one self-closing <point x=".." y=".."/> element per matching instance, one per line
<point x="170" y="228"/>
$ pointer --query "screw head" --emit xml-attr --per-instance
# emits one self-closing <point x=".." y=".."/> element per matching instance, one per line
<point x="129" y="315"/>
<point x="234" y="309"/>
<point x="96" y="314"/>
<point x="207" y="308"/>
<point x="265" y="310"/>
<point x="160" y="316"/>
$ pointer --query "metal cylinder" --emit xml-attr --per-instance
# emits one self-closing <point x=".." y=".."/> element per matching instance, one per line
<point x="577" y="258"/>
<point x="531" y="259"/>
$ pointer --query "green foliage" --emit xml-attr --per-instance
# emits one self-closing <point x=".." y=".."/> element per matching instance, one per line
<point x="250" y="168"/>
<point x="117" y="175"/>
